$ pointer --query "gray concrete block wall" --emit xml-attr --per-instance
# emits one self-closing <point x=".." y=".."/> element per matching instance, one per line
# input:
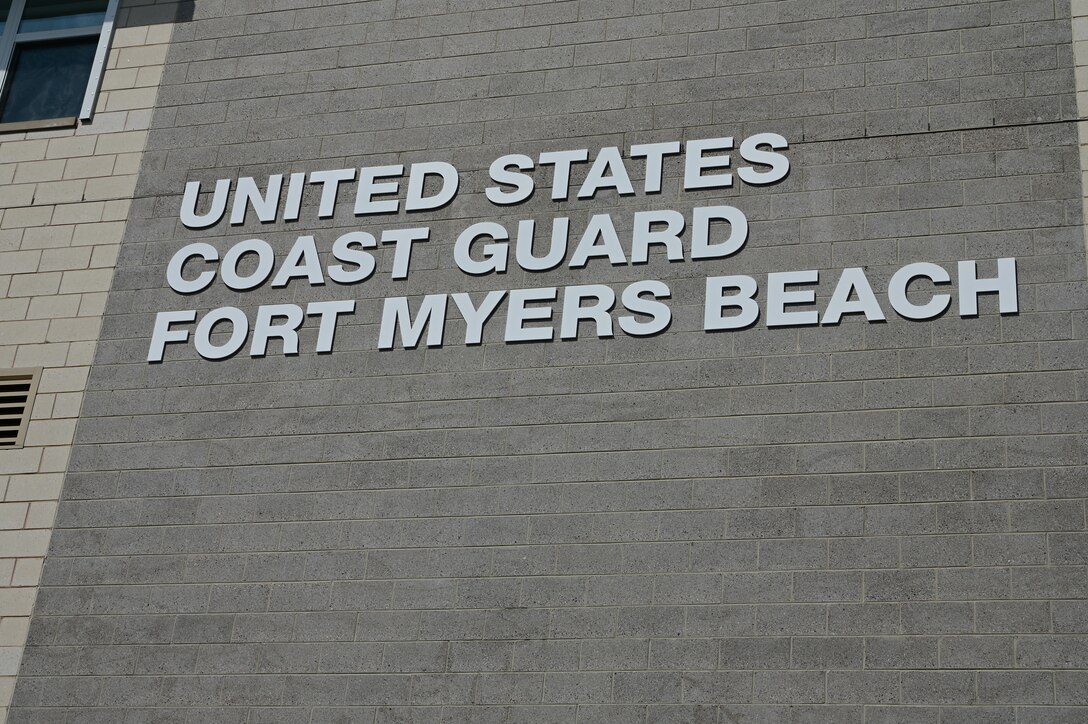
<point x="861" y="523"/>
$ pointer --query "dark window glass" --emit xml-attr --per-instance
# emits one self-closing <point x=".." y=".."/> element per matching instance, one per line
<point x="5" y="7"/>
<point x="48" y="80"/>
<point x="62" y="14"/>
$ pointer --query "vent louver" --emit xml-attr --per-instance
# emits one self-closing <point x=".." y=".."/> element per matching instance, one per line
<point x="17" y="388"/>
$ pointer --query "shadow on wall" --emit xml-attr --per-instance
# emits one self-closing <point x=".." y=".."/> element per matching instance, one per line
<point x="134" y="13"/>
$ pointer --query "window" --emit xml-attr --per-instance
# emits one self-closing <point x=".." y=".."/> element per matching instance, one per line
<point x="17" y="388"/>
<point x="52" y="53"/>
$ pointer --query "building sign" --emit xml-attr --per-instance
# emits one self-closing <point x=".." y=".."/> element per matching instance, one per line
<point x="918" y="291"/>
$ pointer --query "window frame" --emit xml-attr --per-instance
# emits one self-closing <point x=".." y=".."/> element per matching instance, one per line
<point x="12" y="37"/>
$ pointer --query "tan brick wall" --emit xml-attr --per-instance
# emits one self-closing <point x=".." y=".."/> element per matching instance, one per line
<point x="64" y="198"/>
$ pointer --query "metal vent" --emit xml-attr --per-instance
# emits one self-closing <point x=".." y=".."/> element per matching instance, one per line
<point x="17" y="388"/>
